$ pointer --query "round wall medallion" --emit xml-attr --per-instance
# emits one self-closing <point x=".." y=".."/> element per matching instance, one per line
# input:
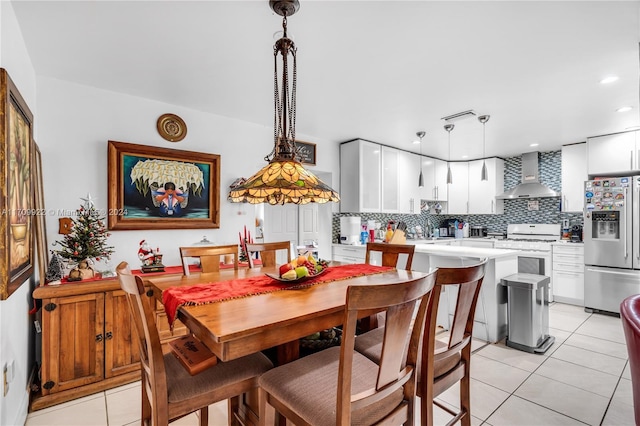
<point x="171" y="127"/>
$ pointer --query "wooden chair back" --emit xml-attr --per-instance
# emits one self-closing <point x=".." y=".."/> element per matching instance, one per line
<point x="468" y="280"/>
<point x="154" y="378"/>
<point x="209" y="256"/>
<point x="391" y="253"/>
<point x="395" y="371"/>
<point x="267" y="252"/>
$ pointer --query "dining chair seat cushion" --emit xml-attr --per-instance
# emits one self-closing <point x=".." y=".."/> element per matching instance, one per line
<point x="308" y="386"/>
<point x="182" y="386"/>
<point x="369" y="344"/>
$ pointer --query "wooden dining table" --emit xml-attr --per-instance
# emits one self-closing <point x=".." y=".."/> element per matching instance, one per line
<point x="237" y="327"/>
<point x="242" y="326"/>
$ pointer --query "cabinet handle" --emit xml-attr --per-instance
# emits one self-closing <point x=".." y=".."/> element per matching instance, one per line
<point x="108" y="335"/>
<point x="492" y="207"/>
<point x="575" y="274"/>
<point x="467" y="207"/>
<point x="99" y="338"/>
<point x="631" y="160"/>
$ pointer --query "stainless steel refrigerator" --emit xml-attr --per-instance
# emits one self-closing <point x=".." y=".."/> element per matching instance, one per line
<point x="611" y="242"/>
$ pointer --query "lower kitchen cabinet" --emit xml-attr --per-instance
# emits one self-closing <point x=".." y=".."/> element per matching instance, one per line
<point x="348" y="253"/>
<point x="88" y="340"/>
<point x="568" y="273"/>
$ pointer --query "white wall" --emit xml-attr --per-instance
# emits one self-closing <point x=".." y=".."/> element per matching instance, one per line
<point x="75" y="123"/>
<point x="16" y="332"/>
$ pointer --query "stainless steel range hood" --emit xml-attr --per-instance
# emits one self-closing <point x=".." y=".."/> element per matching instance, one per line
<point x="530" y="187"/>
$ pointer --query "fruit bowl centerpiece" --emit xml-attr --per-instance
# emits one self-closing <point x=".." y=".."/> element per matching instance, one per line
<point x="299" y="269"/>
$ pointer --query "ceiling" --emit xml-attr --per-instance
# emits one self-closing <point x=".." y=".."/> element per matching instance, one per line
<point x="378" y="70"/>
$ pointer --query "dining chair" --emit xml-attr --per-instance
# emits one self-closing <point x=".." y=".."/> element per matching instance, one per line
<point x="267" y="252"/>
<point x="209" y="256"/>
<point x="168" y="390"/>
<point x="630" y="315"/>
<point x="339" y="386"/>
<point x="390" y="256"/>
<point x="441" y="364"/>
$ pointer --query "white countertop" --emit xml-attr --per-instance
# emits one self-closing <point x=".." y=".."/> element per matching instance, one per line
<point x="566" y="243"/>
<point x="476" y="252"/>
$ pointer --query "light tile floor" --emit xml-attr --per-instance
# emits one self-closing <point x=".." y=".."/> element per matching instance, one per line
<point x="582" y="379"/>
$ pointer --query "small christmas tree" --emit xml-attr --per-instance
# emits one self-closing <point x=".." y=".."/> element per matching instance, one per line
<point x="88" y="236"/>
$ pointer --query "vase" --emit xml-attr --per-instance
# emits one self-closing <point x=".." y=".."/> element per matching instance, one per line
<point x="19" y="231"/>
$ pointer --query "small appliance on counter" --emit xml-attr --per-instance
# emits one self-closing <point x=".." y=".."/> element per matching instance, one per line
<point x="576" y="233"/>
<point x="478" y="232"/>
<point x="566" y="229"/>
<point x="350" y="230"/>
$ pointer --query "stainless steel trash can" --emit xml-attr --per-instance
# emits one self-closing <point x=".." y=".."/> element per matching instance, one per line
<point x="528" y="312"/>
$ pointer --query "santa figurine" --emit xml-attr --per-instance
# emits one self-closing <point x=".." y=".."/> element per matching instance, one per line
<point x="145" y="253"/>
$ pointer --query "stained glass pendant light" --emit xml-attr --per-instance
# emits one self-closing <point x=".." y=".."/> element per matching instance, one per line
<point x="420" y="177"/>
<point x="284" y="179"/>
<point x="483" y="174"/>
<point x="449" y="128"/>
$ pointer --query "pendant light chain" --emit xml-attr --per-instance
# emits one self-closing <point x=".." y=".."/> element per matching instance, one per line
<point x="449" y="128"/>
<point x="484" y="175"/>
<point x="420" y="134"/>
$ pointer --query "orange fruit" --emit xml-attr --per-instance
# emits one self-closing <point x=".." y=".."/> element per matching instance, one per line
<point x="301" y="260"/>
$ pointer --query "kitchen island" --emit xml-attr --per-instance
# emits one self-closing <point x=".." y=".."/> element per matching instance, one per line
<point x="491" y="311"/>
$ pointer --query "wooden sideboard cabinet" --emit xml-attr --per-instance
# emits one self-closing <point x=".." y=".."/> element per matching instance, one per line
<point x="88" y="340"/>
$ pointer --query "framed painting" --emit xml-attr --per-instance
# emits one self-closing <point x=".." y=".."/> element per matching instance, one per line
<point x="306" y="152"/>
<point x="161" y="188"/>
<point x="16" y="195"/>
<point x="40" y="219"/>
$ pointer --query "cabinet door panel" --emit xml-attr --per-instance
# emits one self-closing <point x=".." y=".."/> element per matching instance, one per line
<point x="370" y="189"/>
<point x="121" y="347"/>
<point x="390" y="179"/>
<point x="611" y="154"/>
<point x="73" y="342"/>
<point x="458" y="189"/>
<point x="574" y="173"/>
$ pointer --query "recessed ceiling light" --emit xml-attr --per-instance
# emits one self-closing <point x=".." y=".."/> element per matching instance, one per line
<point x="534" y="144"/>
<point x="609" y="79"/>
<point x="624" y="109"/>
<point x="465" y="156"/>
<point x="416" y="142"/>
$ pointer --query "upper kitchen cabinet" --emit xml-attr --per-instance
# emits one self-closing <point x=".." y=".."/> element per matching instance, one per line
<point x="369" y="178"/>
<point x="574" y="173"/>
<point x="470" y="195"/>
<point x="615" y="154"/>
<point x="458" y="198"/>
<point x="409" y="192"/>
<point x="360" y="172"/>
<point x="435" y="179"/>
<point x="482" y="193"/>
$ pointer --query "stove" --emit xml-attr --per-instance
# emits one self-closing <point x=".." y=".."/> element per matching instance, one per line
<point x="533" y="242"/>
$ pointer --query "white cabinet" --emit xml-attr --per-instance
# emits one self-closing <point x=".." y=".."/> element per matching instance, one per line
<point x="435" y="179"/>
<point x="369" y="177"/>
<point x="482" y="193"/>
<point x="470" y="195"/>
<point x="574" y="173"/>
<point x="360" y="177"/>
<point x="390" y="180"/>
<point x="348" y="254"/>
<point x="568" y="273"/>
<point x="409" y="192"/>
<point x="618" y="153"/>
<point x="458" y="189"/>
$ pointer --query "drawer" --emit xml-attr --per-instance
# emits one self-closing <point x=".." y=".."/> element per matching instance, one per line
<point x="349" y="251"/>
<point x="568" y="266"/>
<point x="575" y="249"/>
<point x="568" y="258"/>
<point x="348" y="259"/>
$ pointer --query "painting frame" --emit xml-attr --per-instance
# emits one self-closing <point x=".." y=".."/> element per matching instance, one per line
<point x="133" y="203"/>
<point x="16" y="188"/>
<point x="306" y="152"/>
<point x="40" y="226"/>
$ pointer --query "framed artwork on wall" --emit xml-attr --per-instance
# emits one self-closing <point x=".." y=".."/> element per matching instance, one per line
<point x="161" y="188"/>
<point x="40" y="225"/>
<point x="17" y="200"/>
<point x="306" y="152"/>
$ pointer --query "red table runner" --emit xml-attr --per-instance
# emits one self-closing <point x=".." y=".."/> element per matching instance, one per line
<point x="199" y="294"/>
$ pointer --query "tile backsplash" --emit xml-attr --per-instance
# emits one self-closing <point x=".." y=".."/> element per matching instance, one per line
<point x="515" y="211"/>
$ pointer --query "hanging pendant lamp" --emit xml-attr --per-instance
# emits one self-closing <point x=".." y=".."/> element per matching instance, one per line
<point x="284" y="179"/>
<point x="449" y="128"/>
<point x="420" y="177"/>
<point x="483" y="174"/>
